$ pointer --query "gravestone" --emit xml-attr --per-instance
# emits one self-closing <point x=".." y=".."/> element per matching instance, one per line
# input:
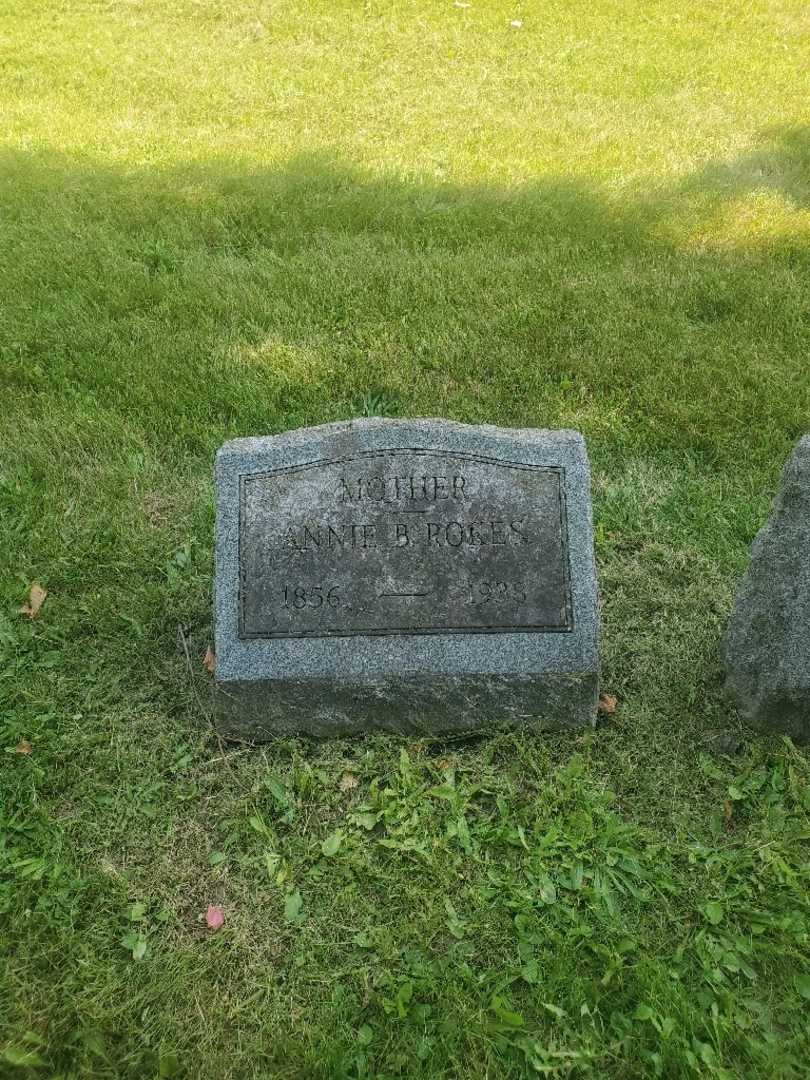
<point x="768" y="640"/>
<point x="405" y="575"/>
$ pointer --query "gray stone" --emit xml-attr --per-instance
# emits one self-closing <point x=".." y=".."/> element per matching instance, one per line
<point x="768" y="641"/>
<point x="405" y="575"/>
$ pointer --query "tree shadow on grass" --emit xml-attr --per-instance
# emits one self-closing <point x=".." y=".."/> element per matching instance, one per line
<point x="779" y="164"/>
<point x="200" y="303"/>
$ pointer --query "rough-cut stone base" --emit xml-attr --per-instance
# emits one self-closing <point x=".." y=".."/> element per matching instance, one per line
<point x="768" y="641"/>
<point x="424" y="705"/>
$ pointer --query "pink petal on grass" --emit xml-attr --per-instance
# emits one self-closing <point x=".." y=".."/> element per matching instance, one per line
<point x="214" y="917"/>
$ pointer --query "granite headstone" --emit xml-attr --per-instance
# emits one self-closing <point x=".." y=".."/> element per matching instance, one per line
<point x="405" y="575"/>
<point x="768" y="640"/>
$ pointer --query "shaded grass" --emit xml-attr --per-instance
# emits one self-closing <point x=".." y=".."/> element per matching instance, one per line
<point x="229" y="219"/>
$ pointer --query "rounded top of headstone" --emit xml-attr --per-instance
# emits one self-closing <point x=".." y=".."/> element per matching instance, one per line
<point x="362" y="428"/>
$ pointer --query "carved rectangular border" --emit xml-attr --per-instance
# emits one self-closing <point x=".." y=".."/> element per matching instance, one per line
<point x="564" y="628"/>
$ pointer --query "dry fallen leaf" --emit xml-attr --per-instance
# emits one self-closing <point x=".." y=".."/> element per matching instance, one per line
<point x="23" y="747"/>
<point x="209" y="660"/>
<point x="728" y="809"/>
<point x="607" y="704"/>
<point x="214" y="917"/>
<point x="348" y="782"/>
<point x="36" y="598"/>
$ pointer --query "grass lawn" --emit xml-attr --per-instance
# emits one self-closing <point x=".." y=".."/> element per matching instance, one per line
<point x="232" y="217"/>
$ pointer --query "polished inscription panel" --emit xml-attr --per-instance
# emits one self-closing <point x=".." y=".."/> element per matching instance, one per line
<point x="403" y="542"/>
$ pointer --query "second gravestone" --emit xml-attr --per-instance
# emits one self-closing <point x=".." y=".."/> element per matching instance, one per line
<point x="413" y="575"/>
